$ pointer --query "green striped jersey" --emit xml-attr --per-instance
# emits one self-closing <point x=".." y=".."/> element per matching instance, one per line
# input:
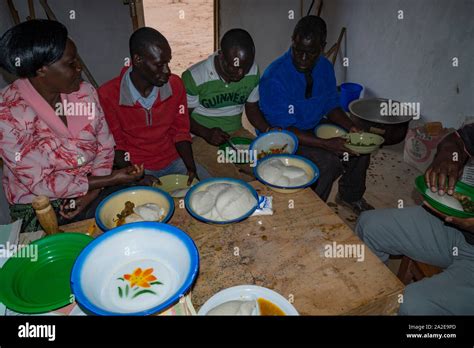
<point x="215" y="102"/>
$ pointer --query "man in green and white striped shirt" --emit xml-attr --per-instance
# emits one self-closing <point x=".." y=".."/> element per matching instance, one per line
<point x="219" y="88"/>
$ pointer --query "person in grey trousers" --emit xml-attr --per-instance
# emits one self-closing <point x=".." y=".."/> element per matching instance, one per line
<point x="426" y="235"/>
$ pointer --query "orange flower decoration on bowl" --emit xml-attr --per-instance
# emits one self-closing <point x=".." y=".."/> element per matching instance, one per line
<point x="140" y="278"/>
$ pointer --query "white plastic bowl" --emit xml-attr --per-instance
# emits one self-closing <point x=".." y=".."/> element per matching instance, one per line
<point x="328" y="131"/>
<point x="312" y="171"/>
<point x="109" y="262"/>
<point x="210" y="181"/>
<point x="247" y="293"/>
<point x="274" y="139"/>
<point x="106" y="212"/>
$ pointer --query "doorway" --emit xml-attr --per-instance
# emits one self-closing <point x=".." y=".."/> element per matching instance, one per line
<point x="189" y="25"/>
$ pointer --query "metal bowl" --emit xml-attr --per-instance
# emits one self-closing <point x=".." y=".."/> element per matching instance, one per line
<point x="366" y="113"/>
<point x="370" y="110"/>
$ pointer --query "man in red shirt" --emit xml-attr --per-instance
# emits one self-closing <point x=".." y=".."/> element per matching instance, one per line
<point x="146" y="110"/>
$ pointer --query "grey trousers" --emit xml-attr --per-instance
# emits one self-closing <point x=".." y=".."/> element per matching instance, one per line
<point x="416" y="233"/>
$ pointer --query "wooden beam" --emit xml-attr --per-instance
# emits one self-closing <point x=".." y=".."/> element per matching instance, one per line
<point x="216" y="24"/>
<point x="133" y="14"/>
<point x="31" y="8"/>
<point x="341" y="35"/>
<point x="50" y="14"/>
<point x="13" y="12"/>
<point x="320" y="8"/>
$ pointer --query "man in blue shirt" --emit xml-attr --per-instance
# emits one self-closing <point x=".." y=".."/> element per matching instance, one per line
<point x="298" y="91"/>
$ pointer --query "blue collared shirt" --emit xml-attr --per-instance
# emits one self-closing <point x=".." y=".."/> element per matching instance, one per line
<point x="147" y="102"/>
<point x="282" y="94"/>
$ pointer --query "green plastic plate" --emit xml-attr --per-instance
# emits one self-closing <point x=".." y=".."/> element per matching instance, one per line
<point x="237" y="141"/>
<point x="40" y="284"/>
<point x="365" y="139"/>
<point x="460" y="187"/>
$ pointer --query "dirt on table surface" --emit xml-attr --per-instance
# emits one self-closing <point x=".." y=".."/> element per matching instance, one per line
<point x="187" y="24"/>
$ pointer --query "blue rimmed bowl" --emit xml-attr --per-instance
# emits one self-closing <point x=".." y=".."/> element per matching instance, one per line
<point x="312" y="171"/>
<point x="135" y="269"/>
<point x="106" y="212"/>
<point x="208" y="182"/>
<point x="273" y="140"/>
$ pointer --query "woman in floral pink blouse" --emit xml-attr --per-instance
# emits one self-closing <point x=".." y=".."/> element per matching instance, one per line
<point x="54" y="140"/>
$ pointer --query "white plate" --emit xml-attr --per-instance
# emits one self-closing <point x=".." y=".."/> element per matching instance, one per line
<point x="247" y="292"/>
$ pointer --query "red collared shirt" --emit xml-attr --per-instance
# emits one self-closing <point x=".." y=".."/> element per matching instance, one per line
<point x="149" y="136"/>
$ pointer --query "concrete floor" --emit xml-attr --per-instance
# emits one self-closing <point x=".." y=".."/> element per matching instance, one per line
<point x="388" y="180"/>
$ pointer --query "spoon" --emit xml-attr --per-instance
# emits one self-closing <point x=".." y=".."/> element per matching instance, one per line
<point x="232" y="145"/>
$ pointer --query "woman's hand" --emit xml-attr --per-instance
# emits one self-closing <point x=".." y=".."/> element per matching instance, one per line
<point x="71" y="207"/>
<point x="128" y="175"/>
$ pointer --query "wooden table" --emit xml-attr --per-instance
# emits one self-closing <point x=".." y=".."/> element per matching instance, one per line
<point x="285" y="252"/>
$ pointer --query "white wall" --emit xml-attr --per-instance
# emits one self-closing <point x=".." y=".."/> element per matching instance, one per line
<point x="5" y="23"/>
<point x="408" y="60"/>
<point x="101" y="30"/>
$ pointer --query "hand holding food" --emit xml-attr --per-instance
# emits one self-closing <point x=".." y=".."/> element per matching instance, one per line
<point x="71" y="207"/>
<point x="128" y="174"/>
<point x="217" y="136"/>
<point x="137" y="170"/>
<point x="355" y="129"/>
<point x="466" y="224"/>
<point x="337" y="145"/>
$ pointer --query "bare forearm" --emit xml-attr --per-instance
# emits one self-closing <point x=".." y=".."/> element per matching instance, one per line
<point x="339" y="117"/>
<point x="255" y="117"/>
<point x="186" y="153"/>
<point x="98" y="182"/>
<point x="198" y="129"/>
